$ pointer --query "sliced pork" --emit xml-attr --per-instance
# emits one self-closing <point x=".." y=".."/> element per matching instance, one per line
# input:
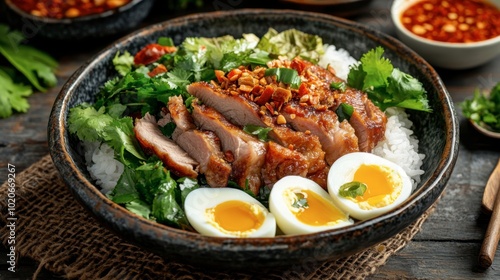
<point x="241" y="111"/>
<point x="281" y="162"/>
<point x="153" y="141"/>
<point x="248" y="154"/>
<point x="368" y="120"/>
<point x="203" y="146"/>
<point x="337" y="139"/>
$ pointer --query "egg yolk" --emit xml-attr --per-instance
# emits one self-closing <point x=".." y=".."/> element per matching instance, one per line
<point x="318" y="211"/>
<point x="237" y="216"/>
<point x="383" y="185"/>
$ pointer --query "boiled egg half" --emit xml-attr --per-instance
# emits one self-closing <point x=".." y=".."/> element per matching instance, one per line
<point x="301" y="206"/>
<point x="228" y="212"/>
<point x="366" y="185"/>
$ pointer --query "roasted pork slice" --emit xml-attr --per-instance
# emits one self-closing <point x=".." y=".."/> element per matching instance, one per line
<point x="281" y="162"/>
<point x="153" y="141"/>
<point x="242" y="111"/>
<point x="248" y="153"/>
<point x="203" y="146"/>
<point x="336" y="138"/>
<point x="235" y="108"/>
<point x="305" y="143"/>
<point x="368" y="120"/>
<point x="179" y="114"/>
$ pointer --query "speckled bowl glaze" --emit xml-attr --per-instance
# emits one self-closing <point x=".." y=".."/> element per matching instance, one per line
<point x="112" y="22"/>
<point x="438" y="134"/>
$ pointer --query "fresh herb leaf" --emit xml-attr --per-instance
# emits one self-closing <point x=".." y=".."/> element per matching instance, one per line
<point x="484" y="108"/>
<point x="37" y="66"/>
<point x="166" y="41"/>
<point x="344" y="111"/>
<point x="260" y="132"/>
<point x="123" y="63"/>
<point x="385" y="85"/>
<point x="285" y="75"/>
<point x="352" y="189"/>
<point x="12" y="95"/>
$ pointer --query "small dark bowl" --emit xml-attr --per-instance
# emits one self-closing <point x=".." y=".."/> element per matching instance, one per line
<point x="437" y="132"/>
<point x="112" y="22"/>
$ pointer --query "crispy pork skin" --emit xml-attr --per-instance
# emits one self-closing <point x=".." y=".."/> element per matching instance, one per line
<point x="280" y="162"/>
<point x="154" y="142"/>
<point x="203" y="146"/>
<point x="337" y="139"/>
<point x="368" y="120"/>
<point x="248" y="153"/>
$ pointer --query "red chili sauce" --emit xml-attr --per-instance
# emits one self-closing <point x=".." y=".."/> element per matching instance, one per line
<point x="453" y="21"/>
<point x="67" y="8"/>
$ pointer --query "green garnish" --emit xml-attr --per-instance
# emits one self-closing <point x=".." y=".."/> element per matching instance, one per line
<point x="344" y="111"/>
<point x="352" y="189"/>
<point x="260" y="132"/>
<point x="484" y="109"/>
<point x="385" y="85"/>
<point x="300" y="201"/>
<point x="292" y="43"/>
<point x="338" y="85"/>
<point x="285" y="75"/>
<point x="27" y="68"/>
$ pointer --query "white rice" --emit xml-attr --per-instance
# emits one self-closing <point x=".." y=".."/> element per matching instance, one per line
<point x="400" y="145"/>
<point x="102" y="165"/>
<point x="339" y="59"/>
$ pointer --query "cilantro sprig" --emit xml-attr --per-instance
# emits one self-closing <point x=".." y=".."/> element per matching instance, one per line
<point x="386" y="85"/>
<point x="26" y="69"/>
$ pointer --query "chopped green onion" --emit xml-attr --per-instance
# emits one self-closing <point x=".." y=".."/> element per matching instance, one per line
<point x="344" y="112"/>
<point x="338" y="85"/>
<point x="285" y="75"/>
<point x="301" y="201"/>
<point x="352" y="189"/>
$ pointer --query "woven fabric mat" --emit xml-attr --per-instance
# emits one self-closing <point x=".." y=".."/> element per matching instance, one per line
<point x="53" y="229"/>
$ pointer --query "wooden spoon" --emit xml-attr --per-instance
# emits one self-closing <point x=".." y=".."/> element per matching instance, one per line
<point x="491" y="204"/>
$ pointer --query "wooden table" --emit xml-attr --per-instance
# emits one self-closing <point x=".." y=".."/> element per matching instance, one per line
<point x="445" y="248"/>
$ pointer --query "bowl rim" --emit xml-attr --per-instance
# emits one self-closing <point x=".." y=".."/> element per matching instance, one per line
<point x="398" y="7"/>
<point x="59" y="147"/>
<point x="65" y="20"/>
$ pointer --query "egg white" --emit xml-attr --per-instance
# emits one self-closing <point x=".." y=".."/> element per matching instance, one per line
<point x="342" y="171"/>
<point x="200" y="200"/>
<point x="280" y="206"/>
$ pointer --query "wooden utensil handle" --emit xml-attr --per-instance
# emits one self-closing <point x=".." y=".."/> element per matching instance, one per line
<point x="490" y="242"/>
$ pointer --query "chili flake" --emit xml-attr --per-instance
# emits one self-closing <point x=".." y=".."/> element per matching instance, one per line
<point x="453" y="21"/>
<point x="67" y="8"/>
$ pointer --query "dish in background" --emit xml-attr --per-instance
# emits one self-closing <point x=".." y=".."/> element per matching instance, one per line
<point x="485" y="131"/>
<point x="107" y="23"/>
<point x="437" y="132"/>
<point x="445" y="54"/>
<point x="342" y="8"/>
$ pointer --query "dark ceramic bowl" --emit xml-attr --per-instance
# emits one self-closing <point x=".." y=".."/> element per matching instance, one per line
<point x="112" y="22"/>
<point x="437" y="133"/>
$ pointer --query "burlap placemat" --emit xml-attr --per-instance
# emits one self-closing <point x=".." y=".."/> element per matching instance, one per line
<point x="55" y="230"/>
